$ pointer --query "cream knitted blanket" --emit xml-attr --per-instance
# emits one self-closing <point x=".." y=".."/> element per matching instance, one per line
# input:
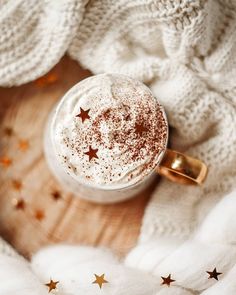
<point x="186" y="51"/>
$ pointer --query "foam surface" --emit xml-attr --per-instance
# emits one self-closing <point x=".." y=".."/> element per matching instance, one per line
<point x="126" y="126"/>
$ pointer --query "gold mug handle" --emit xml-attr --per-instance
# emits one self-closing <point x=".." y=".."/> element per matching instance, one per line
<point x="181" y="168"/>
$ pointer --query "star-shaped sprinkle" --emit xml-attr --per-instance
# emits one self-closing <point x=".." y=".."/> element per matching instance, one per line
<point x="83" y="114"/>
<point x="140" y="128"/>
<point x="51" y="78"/>
<point x="19" y="204"/>
<point x="100" y="280"/>
<point x="56" y="195"/>
<point x="39" y="214"/>
<point x="167" y="281"/>
<point x="51" y="285"/>
<point x="214" y="274"/>
<point x="8" y="131"/>
<point x="48" y="79"/>
<point x="92" y="153"/>
<point x="17" y="184"/>
<point x="5" y="161"/>
<point x="23" y="145"/>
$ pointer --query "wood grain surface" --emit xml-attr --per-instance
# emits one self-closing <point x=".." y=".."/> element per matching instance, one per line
<point x="34" y="209"/>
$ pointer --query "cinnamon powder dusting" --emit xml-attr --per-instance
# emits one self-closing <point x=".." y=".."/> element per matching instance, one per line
<point x="129" y="132"/>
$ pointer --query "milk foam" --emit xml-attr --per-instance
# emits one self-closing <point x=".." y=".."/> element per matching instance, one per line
<point x="126" y="125"/>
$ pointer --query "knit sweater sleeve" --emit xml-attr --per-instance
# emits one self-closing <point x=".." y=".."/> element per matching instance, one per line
<point x="34" y="35"/>
<point x="138" y="37"/>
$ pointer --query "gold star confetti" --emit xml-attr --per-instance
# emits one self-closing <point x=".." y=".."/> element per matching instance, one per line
<point x="8" y="131"/>
<point x="214" y="274"/>
<point x="92" y="153"/>
<point x="17" y="184"/>
<point x="83" y="114"/>
<point x="139" y="128"/>
<point x="167" y="281"/>
<point x="52" y="285"/>
<point x="5" y="161"/>
<point x="39" y="214"/>
<point x="56" y="195"/>
<point x="100" y="280"/>
<point x="23" y="145"/>
<point x="19" y="204"/>
<point x="48" y="79"/>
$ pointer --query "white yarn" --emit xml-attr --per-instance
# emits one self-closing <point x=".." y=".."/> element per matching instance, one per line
<point x="74" y="267"/>
<point x="201" y="109"/>
<point x="17" y="278"/>
<point x="6" y="249"/>
<point x="34" y="35"/>
<point x="213" y="245"/>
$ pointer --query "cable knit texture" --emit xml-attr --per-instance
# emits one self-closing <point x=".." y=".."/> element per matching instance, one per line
<point x="75" y="272"/>
<point x="186" y="52"/>
<point x="34" y="36"/>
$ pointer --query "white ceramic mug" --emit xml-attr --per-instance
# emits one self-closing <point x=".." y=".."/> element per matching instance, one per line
<point x="107" y="138"/>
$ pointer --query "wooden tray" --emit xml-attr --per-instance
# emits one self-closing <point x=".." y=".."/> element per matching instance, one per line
<point x="34" y="210"/>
